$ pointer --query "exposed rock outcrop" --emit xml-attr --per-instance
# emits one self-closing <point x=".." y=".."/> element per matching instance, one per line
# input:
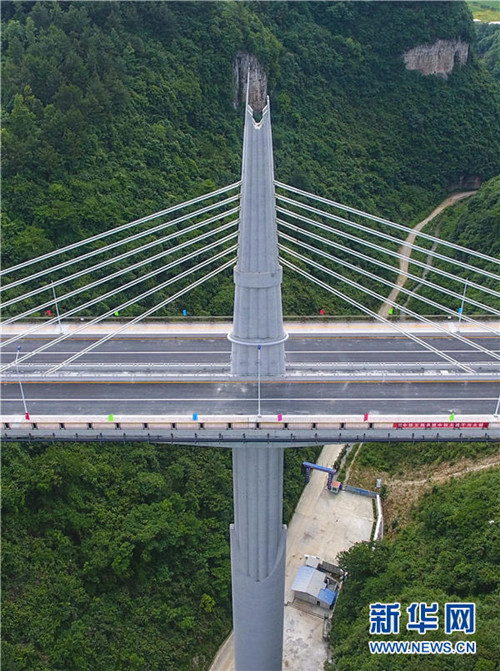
<point x="438" y="58"/>
<point x="243" y="64"/>
<point x="464" y="183"/>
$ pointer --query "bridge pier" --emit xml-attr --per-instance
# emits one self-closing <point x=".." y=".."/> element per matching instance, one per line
<point x="258" y="553"/>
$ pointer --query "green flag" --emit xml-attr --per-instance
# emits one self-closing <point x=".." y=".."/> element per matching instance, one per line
<point x="116" y="313"/>
<point x="391" y="310"/>
<point x="110" y="418"/>
<point x="452" y="417"/>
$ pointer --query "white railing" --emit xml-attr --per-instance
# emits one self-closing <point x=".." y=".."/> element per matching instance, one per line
<point x="228" y="422"/>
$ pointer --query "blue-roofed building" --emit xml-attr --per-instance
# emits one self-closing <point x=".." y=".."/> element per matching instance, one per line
<point x="314" y="587"/>
<point x="327" y="596"/>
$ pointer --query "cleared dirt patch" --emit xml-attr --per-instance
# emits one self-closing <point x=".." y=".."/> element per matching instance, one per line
<point x="404" y="491"/>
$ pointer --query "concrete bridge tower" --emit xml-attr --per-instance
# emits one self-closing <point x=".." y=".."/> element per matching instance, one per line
<point x="258" y="536"/>
<point x="258" y="314"/>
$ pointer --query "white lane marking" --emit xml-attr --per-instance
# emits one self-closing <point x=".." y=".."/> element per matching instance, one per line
<point x="102" y="353"/>
<point x="379" y="351"/>
<point x="293" y="351"/>
<point x="242" y="400"/>
<point x="146" y="364"/>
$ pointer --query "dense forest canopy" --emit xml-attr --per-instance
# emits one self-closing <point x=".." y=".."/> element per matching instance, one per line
<point x="473" y="223"/>
<point x="488" y="46"/>
<point x="117" y="557"/>
<point x="115" y="110"/>
<point x="450" y="552"/>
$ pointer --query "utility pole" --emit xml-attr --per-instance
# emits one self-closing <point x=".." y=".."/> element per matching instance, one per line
<point x="258" y="380"/>
<point x="26" y="413"/>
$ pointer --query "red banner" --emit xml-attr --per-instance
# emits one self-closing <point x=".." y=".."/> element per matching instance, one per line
<point x="440" y="425"/>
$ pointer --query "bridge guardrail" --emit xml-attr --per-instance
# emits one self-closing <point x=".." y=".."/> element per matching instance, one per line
<point x="179" y="319"/>
<point x="233" y="425"/>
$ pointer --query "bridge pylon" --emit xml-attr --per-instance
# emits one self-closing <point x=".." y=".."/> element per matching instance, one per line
<point x="258" y="536"/>
<point x="258" y="313"/>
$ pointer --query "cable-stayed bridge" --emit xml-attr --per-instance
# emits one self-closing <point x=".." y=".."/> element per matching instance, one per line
<point x="256" y="385"/>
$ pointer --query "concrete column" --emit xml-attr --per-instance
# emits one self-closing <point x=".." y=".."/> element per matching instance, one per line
<point x="258" y="552"/>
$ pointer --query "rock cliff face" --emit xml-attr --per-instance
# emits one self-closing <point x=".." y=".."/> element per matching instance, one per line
<point x="464" y="183"/>
<point x="438" y="58"/>
<point x="243" y="64"/>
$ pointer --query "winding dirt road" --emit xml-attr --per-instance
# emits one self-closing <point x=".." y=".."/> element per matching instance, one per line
<point x="406" y="248"/>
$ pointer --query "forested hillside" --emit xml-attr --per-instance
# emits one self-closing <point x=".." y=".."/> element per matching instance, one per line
<point x="116" y="557"/>
<point x="473" y="223"/>
<point x="448" y="551"/>
<point x="488" y="46"/>
<point x="116" y="110"/>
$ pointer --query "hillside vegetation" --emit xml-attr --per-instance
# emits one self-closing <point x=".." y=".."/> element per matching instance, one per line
<point x="485" y="11"/>
<point x="473" y="223"/>
<point x="447" y="551"/>
<point x="405" y="459"/>
<point x="116" y="110"/>
<point x="488" y="46"/>
<point x="116" y="557"/>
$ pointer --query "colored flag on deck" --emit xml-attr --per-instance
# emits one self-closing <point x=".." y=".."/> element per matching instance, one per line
<point x="49" y="313"/>
<point x="365" y="417"/>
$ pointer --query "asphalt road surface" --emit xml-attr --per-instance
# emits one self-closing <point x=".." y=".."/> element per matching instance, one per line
<point x="235" y="398"/>
<point x="210" y="349"/>
<point x="218" y="395"/>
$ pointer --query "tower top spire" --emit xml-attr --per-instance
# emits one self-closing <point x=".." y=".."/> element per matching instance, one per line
<point x="258" y="243"/>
